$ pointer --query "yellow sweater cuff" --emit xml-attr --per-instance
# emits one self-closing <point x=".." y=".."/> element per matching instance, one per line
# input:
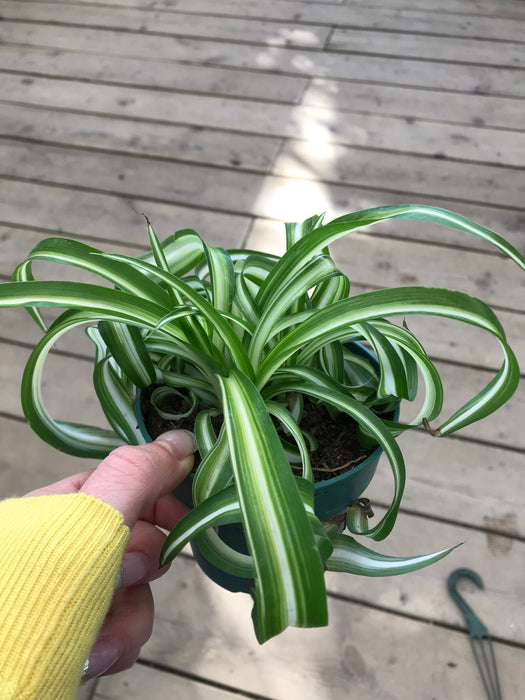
<point x="60" y="556"/>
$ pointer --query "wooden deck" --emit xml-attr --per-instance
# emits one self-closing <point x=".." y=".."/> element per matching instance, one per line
<point x="230" y="117"/>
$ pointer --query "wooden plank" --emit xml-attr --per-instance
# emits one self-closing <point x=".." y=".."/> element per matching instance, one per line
<point x="445" y="339"/>
<point x="413" y="19"/>
<point x="172" y="182"/>
<point x="28" y="463"/>
<point x="458" y="481"/>
<point x="340" y="95"/>
<point x="387" y="14"/>
<point x="104" y="217"/>
<point x="139" y="137"/>
<point x="65" y="380"/>
<point x="138" y="103"/>
<point x="497" y="281"/>
<point x="511" y="8"/>
<point x="96" y="215"/>
<point x="248" y="193"/>
<point x="482" y="149"/>
<point x="142" y="682"/>
<point x="18" y="329"/>
<point x="86" y="691"/>
<point x="424" y="595"/>
<point x="151" y="73"/>
<point x="363" y="648"/>
<point x="175" y="24"/>
<point x="294" y="61"/>
<point x="439" y="48"/>
<point x="461" y="383"/>
<point x="317" y="126"/>
<point x="411" y="103"/>
<point x="113" y="218"/>
<point x="245" y="193"/>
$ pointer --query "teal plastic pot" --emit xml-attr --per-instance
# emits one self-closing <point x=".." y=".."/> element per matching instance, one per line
<point x="331" y="498"/>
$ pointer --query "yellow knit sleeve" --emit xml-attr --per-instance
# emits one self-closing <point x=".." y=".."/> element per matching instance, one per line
<point x="60" y="557"/>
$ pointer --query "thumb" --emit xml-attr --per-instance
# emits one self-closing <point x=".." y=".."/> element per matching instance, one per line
<point x="133" y="478"/>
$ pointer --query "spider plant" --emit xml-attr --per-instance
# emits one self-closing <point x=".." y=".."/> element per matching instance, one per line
<point x="246" y="335"/>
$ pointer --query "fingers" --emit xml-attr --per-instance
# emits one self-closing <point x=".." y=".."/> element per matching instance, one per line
<point x="166" y="512"/>
<point x="141" y="560"/>
<point x="132" y="479"/>
<point x="129" y="622"/>
<point x="127" y="628"/>
<point x="130" y="619"/>
<point x="70" y="484"/>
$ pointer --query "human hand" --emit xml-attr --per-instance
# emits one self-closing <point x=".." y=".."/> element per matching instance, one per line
<point x="136" y="481"/>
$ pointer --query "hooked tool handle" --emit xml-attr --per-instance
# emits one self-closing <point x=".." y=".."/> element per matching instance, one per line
<point x="475" y="626"/>
<point x="479" y="637"/>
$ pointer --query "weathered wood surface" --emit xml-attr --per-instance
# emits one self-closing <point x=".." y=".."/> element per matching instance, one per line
<point x="166" y="141"/>
<point x="176" y="24"/>
<point x="143" y="682"/>
<point x="377" y="14"/>
<point x="421" y="138"/>
<point x="506" y="81"/>
<point x="151" y="73"/>
<point x="439" y="106"/>
<point x="200" y="186"/>
<point x="102" y="216"/>
<point x="229" y="118"/>
<point x="365" y="651"/>
<point x="92" y="214"/>
<point x="459" y="50"/>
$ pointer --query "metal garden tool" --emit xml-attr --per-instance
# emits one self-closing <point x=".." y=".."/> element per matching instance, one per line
<point x="479" y="637"/>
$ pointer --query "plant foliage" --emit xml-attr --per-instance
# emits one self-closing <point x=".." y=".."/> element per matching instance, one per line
<point x="238" y="333"/>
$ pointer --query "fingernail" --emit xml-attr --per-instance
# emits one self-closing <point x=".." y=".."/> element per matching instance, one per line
<point x="104" y="654"/>
<point x="135" y="566"/>
<point x="181" y="442"/>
